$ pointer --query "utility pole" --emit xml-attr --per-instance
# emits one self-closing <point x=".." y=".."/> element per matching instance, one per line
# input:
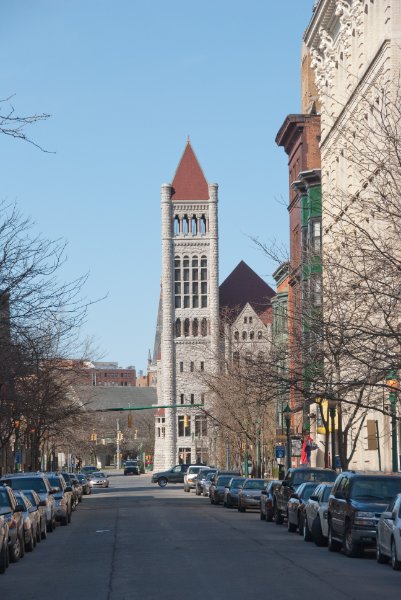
<point x="118" y="445"/>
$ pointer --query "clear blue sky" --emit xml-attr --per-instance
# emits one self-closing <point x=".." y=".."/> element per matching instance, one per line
<point x="125" y="82"/>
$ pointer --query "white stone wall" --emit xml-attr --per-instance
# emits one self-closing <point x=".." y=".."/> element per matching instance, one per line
<point x="186" y="348"/>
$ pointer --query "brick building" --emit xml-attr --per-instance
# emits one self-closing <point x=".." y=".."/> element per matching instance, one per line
<point x="106" y="374"/>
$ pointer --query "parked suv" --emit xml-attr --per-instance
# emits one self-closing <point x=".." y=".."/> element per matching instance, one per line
<point x="12" y="513"/>
<point x="292" y="480"/>
<point x="63" y="498"/>
<point x="190" y="477"/>
<point x="355" y="505"/>
<point x="173" y="475"/>
<point x="39" y="483"/>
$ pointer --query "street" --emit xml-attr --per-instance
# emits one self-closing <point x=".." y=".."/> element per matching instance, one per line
<point x="136" y="540"/>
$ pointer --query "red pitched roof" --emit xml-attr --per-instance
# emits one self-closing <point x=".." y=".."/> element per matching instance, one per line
<point x="244" y="285"/>
<point x="189" y="182"/>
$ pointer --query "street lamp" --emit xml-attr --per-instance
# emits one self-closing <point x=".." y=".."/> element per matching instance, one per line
<point x="393" y="383"/>
<point x="287" y="416"/>
<point x="332" y="406"/>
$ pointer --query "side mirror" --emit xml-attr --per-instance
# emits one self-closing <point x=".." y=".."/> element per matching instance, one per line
<point x="43" y="503"/>
<point x="387" y="515"/>
<point x="18" y="508"/>
<point x="68" y="488"/>
<point x="315" y="498"/>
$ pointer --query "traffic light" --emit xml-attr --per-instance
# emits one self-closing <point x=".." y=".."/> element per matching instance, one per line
<point x="130" y="421"/>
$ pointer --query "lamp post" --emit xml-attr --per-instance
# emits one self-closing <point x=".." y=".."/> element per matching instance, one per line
<point x="332" y="406"/>
<point x="393" y="383"/>
<point x="258" y="449"/>
<point x="287" y="417"/>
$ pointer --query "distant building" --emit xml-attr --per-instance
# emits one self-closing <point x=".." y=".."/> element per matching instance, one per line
<point x="106" y="374"/>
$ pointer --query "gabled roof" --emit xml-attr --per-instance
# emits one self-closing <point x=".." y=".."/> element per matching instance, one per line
<point x="189" y="182"/>
<point x="241" y="286"/>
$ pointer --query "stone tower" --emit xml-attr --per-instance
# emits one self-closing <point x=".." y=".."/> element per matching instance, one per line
<point x="189" y="313"/>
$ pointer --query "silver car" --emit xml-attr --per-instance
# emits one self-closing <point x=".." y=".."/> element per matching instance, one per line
<point x="207" y="483"/>
<point x="388" y="540"/>
<point x="231" y="491"/>
<point x="249" y="494"/>
<point x="315" y="522"/>
<point x="190" y="477"/>
<point x="98" y="479"/>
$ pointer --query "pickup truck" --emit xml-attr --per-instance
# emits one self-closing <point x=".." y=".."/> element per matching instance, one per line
<point x="292" y="480"/>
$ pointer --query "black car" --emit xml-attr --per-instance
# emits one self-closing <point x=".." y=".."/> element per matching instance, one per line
<point x="173" y="475"/>
<point x="355" y="505"/>
<point x="266" y="500"/>
<point x="131" y="467"/>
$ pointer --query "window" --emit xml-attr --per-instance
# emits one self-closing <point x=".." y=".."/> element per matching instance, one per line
<point x="259" y="335"/>
<point x="178" y="328"/>
<point x="203" y="282"/>
<point x="251" y="335"/>
<point x="176" y="226"/>
<point x="316" y="236"/>
<point x="204" y="327"/>
<point x="182" y="399"/>
<point x="244" y="335"/>
<point x="245" y="319"/>
<point x="177" y="281"/>
<point x="195" y="327"/>
<point x="184" y="426"/>
<point x="186" y="327"/>
<point x="192" y="367"/>
<point x="202" y="398"/>
<point x="236" y="335"/>
<point x="181" y="367"/>
<point x="203" y="225"/>
<point x="202" y="366"/>
<point x="192" y="398"/>
<point x="200" y="426"/>
<point x="250" y="319"/>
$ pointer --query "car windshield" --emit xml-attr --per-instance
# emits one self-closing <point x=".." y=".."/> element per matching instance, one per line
<point x="378" y="488"/>
<point x="98" y="475"/>
<point x="311" y="475"/>
<point x="307" y="492"/>
<point x="28" y="483"/>
<point x="223" y="480"/>
<point x="131" y="463"/>
<point x="326" y="493"/>
<point x="30" y="497"/>
<point x="194" y="470"/>
<point x="81" y="478"/>
<point x="4" y="499"/>
<point x="236" y="483"/>
<point x="255" y="484"/>
<point x="272" y="486"/>
<point x="55" y="482"/>
<point x="209" y="476"/>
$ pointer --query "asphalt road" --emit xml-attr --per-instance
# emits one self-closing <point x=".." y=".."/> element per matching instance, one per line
<point x="137" y="541"/>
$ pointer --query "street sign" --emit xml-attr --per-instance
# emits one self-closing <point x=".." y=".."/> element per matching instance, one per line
<point x="18" y="458"/>
<point x="296" y="447"/>
<point x="280" y="451"/>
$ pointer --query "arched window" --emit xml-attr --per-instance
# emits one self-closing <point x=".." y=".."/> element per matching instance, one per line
<point x="203" y="225"/>
<point x="178" y="328"/>
<point x="244" y="335"/>
<point x="236" y="335"/>
<point x="204" y="327"/>
<point x="186" y="327"/>
<point x="176" y="225"/>
<point x="251" y="335"/>
<point x="185" y="225"/>
<point x="194" y="225"/>
<point x="195" y="327"/>
<point x="260" y="335"/>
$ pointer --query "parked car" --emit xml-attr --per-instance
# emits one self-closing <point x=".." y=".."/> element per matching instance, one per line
<point x="296" y="506"/>
<point x="131" y="467"/>
<point x="30" y="521"/>
<point x="63" y="498"/>
<point x="293" y="479"/>
<point x="231" y="491"/>
<point x="207" y="482"/>
<point x="99" y="479"/>
<point x="83" y="480"/>
<point x="315" y="516"/>
<point x="190" y="477"/>
<point x="216" y="490"/>
<point x="39" y="483"/>
<point x="4" y="556"/>
<point x="68" y="477"/>
<point x="249" y="494"/>
<point x="173" y="475"/>
<point x="266" y="500"/>
<point x="41" y="508"/>
<point x="12" y="513"/>
<point x="388" y="543"/>
<point x="200" y="478"/>
<point x="76" y="486"/>
<point x="89" y="469"/>
<point x="355" y="505"/>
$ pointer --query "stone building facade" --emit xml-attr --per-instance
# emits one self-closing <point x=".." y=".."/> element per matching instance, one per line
<point x="189" y="333"/>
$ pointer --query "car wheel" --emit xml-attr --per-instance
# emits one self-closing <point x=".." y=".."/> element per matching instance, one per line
<point x="241" y="509"/>
<point x="162" y="482"/>
<point x="197" y="493"/>
<point x="301" y="524"/>
<point x="38" y="536"/>
<point x="317" y="534"/>
<point x="30" y="545"/>
<point x="16" y="551"/>
<point x="291" y="527"/>
<point x="395" y="563"/>
<point x="333" y="545"/>
<point x="269" y="516"/>
<point x="351" y="548"/>
<point x="185" y="488"/>
<point x="380" y="557"/>
<point x="49" y="526"/>
<point x="277" y="516"/>
<point x="306" y="532"/>
<point x="3" y="557"/>
<point x="64" y="521"/>
<point x="44" y="533"/>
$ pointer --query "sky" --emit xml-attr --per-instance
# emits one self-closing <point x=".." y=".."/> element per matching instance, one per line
<point x="125" y="83"/>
